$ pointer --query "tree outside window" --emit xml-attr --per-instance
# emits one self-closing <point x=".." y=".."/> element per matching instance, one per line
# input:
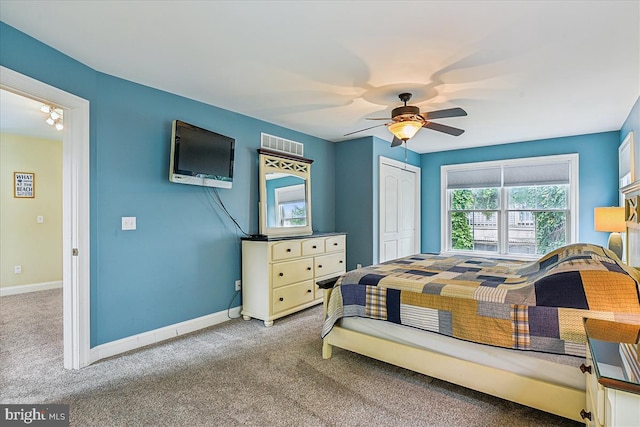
<point x="293" y="214"/>
<point x="536" y="218"/>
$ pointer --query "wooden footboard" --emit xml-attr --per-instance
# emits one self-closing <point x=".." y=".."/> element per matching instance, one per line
<point x="560" y="400"/>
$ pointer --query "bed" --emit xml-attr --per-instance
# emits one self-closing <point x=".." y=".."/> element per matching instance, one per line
<point x="508" y="328"/>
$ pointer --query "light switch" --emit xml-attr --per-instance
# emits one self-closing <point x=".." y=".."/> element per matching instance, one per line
<point x="40" y="219"/>
<point x="128" y="222"/>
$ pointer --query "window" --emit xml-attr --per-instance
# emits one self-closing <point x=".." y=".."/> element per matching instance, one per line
<point x="511" y="207"/>
<point x="291" y="211"/>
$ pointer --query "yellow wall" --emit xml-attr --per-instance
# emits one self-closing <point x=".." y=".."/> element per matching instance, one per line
<point x="36" y="247"/>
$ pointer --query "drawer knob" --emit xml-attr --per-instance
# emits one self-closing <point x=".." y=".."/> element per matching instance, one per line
<point x="584" y="414"/>
<point x="340" y="261"/>
<point x="308" y="291"/>
<point x="320" y="266"/>
<point x="288" y="249"/>
<point x="281" y="274"/>
<point x="335" y="244"/>
<point x="584" y="369"/>
<point x="314" y="247"/>
<point x="308" y="268"/>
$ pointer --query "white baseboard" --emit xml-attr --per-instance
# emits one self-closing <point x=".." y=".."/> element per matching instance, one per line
<point x="23" y="289"/>
<point x="152" y="337"/>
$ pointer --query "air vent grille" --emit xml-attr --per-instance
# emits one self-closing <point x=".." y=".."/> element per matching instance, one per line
<point x="275" y="143"/>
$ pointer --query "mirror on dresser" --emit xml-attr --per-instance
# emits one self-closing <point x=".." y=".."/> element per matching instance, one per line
<point x="285" y="194"/>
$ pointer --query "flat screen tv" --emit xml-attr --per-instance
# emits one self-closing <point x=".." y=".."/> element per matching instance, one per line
<point x="200" y="156"/>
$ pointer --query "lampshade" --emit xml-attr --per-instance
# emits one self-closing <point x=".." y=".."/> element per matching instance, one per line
<point x="405" y="129"/>
<point x="609" y="219"/>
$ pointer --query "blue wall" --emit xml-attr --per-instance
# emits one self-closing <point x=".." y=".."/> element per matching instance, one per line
<point x="183" y="259"/>
<point x="357" y="166"/>
<point x="632" y="124"/>
<point x="598" y="177"/>
<point x="354" y="196"/>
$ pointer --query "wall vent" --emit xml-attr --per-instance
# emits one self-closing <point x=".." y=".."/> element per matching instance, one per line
<point x="276" y="143"/>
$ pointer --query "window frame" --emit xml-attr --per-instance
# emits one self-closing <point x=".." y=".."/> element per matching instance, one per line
<point x="280" y="219"/>
<point x="503" y="209"/>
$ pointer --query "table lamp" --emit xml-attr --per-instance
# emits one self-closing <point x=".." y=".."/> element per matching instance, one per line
<point x="611" y="220"/>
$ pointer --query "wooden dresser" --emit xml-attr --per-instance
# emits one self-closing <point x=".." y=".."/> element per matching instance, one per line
<point x="279" y="274"/>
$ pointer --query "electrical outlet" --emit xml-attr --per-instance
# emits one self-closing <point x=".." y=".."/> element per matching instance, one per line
<point x="358" y="266"/>
<point x="17" y="269"/>
<point x="238" y="285"/>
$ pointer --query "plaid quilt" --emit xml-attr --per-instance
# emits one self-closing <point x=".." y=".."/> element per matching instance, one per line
<point x="535" y="306"/>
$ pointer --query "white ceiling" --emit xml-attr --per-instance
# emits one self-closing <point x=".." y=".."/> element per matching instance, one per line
<point x="523" y="70"/>
<point x="22" y="116"/>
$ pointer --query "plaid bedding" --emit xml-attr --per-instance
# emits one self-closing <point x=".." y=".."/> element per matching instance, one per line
<point x="535" y="306"/>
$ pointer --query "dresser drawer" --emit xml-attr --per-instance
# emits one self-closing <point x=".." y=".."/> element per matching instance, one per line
<point x="285" y="250"/>
<point x="291" y="296"/>
<point x="313" y="247"/>
<point x="333" y="244"/>
<point x="329" y="264"/>
<point x="284" y="273"/>
<point x="279" y="275"/>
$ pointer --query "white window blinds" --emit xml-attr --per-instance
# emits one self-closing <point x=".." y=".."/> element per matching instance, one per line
<point x="474" y="178"/>
<point x="521" y="175"/>
<point x="539" y="174"/>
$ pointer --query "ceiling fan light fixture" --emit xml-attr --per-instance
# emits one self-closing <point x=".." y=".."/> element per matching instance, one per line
<point x="405" y="129"/>
<point x="50" y="121"/>
<point x="59" y="125"/>
<point x="407" y="120"/>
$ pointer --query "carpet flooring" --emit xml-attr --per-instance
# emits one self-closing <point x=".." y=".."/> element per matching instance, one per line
<point x="234" y="374"/>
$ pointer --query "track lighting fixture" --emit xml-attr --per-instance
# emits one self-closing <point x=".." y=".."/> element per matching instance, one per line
<point x="54" y="116"/>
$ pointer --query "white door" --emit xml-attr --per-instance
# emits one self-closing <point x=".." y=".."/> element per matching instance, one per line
<point x="399" y="213"/>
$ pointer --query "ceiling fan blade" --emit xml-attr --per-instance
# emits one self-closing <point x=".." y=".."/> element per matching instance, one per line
<point x="442" y="114"/>
<point x="443" y="128"/>
<point x="362" y="130"/>
<point x="396" y="141"/>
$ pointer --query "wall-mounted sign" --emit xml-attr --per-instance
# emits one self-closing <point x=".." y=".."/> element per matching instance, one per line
<point x="24" y="184"/>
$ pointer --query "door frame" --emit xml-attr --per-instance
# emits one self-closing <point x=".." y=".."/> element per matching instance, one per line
<point x="417" y="207"/>
<point x="75" y="210"/>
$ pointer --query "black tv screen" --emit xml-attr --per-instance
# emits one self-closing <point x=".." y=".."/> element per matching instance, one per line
<point x="200" y="156"/>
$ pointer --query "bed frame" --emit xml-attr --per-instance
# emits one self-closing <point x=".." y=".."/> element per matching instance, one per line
<point x="549" y="397"/>
<point x="564" y="401"/>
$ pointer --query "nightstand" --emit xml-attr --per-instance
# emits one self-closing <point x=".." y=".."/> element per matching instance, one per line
<point x="613" y="374"/>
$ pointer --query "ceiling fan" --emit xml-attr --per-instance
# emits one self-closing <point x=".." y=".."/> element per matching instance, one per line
<point x="407" y="120"/>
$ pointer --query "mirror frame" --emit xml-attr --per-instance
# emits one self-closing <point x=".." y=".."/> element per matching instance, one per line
<point x="274" y="161"/>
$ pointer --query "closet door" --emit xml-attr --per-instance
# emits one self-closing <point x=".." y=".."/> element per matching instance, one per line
<point x="399" y="210"/>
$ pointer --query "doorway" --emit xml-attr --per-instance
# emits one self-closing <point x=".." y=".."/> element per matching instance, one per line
<point x="399" y="209"/>
<point x="75" y="210"/>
